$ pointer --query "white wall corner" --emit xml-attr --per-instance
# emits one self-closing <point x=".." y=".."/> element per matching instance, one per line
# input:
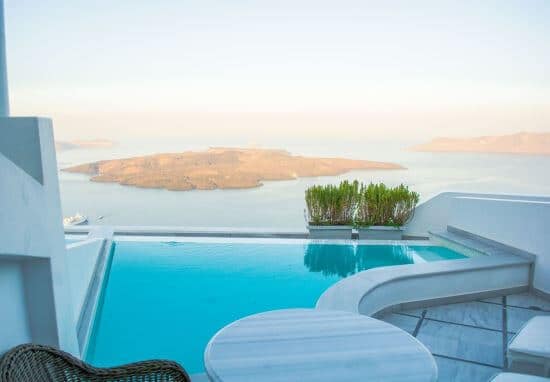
<point x="31" y="213"/>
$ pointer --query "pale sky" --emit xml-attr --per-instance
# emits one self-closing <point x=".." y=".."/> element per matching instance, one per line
<point x="446" y="67"/>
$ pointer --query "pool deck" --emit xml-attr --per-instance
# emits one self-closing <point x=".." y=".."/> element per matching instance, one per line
<point x="469" y="339"/>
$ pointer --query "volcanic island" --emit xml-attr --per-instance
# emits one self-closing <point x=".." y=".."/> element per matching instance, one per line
<point x="219" y="168"/>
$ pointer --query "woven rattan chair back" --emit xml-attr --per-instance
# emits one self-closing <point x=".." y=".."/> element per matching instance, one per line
<point x="38" y="363"/>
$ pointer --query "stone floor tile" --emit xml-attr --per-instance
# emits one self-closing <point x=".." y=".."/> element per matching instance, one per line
<point x="473" y="313"/>
<point x="527" y="300"/>
<point x="470" y="344"/>
<point x="406" y="323"/>
<point x="458" y="371"/>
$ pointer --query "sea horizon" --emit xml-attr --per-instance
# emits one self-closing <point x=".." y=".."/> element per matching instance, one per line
<point x="280" y="204"/>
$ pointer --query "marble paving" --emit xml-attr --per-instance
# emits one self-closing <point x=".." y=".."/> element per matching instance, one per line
<point x="468" y="340"/>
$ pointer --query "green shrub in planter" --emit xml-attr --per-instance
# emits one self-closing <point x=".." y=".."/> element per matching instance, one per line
<point x="379" y="205"/>
<point x="376" y="210"/>
<point x="375" y="205"/>
<point x="332" y="205"/>
<point x="405" y="202"/>
<point x="382" y="211"/>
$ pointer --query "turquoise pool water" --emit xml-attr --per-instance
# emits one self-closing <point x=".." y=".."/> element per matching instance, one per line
<point x="166" y="300"/>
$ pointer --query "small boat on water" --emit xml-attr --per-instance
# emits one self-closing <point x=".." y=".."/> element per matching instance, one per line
<point x="77" y="219"/>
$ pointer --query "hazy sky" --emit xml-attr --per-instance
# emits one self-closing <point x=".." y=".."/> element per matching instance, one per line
<point x="443" y="66"/>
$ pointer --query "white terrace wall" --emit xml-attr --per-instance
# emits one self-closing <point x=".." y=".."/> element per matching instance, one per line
<point x="434" y="214"/>
<point x="34" y="285"/>
<point x="520" y="221"/>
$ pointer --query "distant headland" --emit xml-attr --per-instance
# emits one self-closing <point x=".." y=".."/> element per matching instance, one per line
<point x="520" y="143"/>
<point x="83" y="144"/>
<point x="219" y="168"/>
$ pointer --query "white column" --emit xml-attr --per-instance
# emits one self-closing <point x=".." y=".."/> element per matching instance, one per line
<point x="4" y="100"/>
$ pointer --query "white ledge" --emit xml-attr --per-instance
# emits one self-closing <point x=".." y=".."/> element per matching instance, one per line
<point x="374" y="290"/>
<point x="192" y="231"/>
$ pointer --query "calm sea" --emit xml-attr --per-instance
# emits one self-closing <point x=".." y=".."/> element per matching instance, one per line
<point x="281" y="204"/>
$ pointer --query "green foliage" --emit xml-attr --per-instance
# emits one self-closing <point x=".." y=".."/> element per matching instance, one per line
<point x="360" y="204"/>
<point x="331" y="259"/>
<point x="405" y="202"/>
<point x="332" y="205"/>
<point x="375" y="205"/>
<point x="385" y="206"/>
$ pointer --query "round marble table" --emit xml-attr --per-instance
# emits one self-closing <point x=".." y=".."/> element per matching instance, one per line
<point x="315" y="345"/>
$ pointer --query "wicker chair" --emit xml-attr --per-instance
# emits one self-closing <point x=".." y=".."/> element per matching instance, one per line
<point x="38" y="363"/>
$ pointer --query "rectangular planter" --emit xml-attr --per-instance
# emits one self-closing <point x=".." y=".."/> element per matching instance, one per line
<point x="380" y="233"/>
<point x="342" y="232"/>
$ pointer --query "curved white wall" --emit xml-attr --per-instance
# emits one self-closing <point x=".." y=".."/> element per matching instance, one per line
<point x="447" y="285"/>
<point x="373" y="290"/>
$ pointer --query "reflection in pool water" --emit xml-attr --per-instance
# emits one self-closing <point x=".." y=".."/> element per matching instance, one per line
<point x="345" y="260"/>
<point x="331" y="259"/>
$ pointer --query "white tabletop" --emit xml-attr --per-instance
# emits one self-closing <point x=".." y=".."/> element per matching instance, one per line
<point x="313" y="345"/>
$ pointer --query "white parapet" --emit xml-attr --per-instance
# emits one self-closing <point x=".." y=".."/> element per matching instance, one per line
<point x="518" y="221"/>
<point x="522" y="223"/>
<point x="435" y="213"/>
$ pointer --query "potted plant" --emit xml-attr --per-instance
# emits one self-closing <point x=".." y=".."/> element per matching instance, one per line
<point x="330" y="210"/>
<point x="382" y="211"/>
<point x="405" y="202"/>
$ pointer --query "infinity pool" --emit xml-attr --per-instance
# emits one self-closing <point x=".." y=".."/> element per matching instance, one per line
<point x="167" y="299"/>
